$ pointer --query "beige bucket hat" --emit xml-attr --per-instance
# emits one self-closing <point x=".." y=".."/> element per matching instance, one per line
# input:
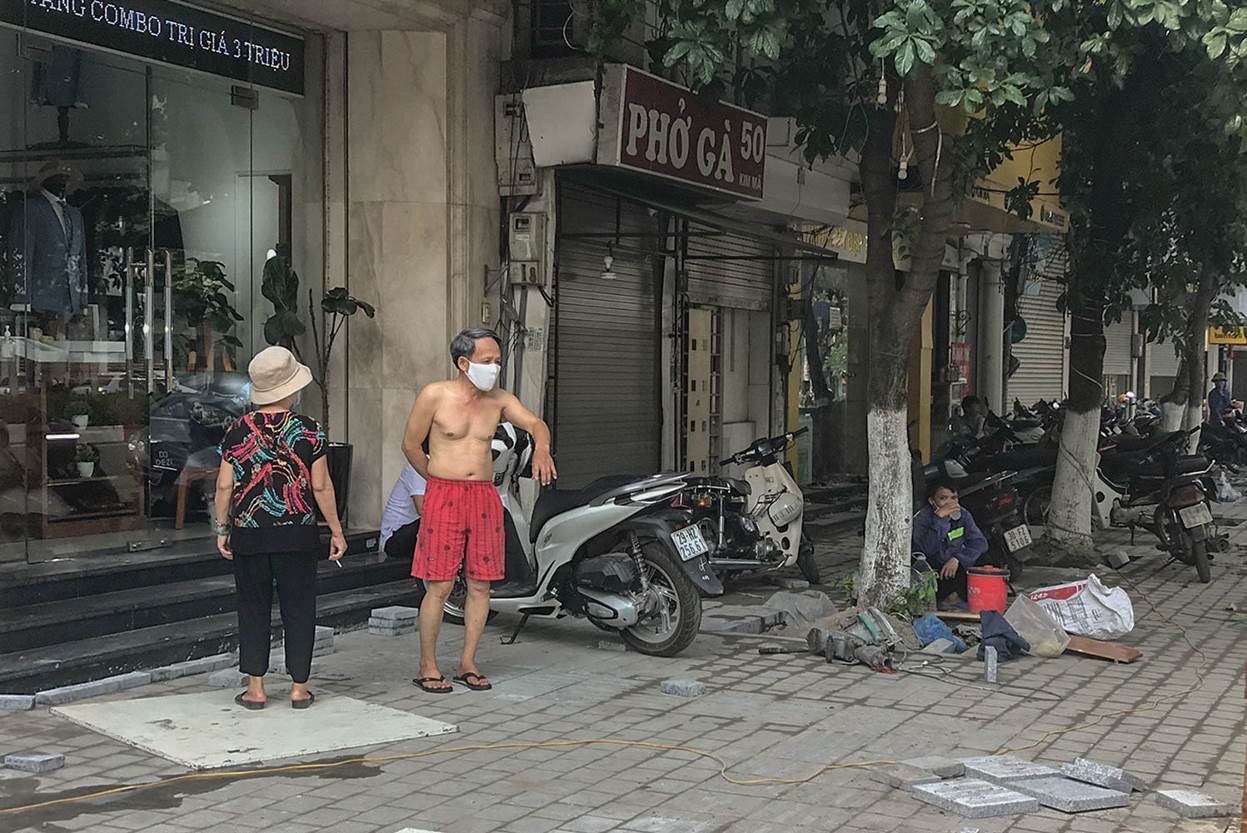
<point x="275" y="374"/>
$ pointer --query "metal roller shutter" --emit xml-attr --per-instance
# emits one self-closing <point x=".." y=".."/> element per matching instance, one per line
<point x="1117" y="347"/>
<point x="1041" y="374"/>
<point x="736" y="283"/>
<point x="607" y="389"/>
<point x="1164" y="360"/>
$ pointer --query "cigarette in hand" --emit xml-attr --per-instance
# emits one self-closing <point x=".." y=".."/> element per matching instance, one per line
<point x="339" y="563"/>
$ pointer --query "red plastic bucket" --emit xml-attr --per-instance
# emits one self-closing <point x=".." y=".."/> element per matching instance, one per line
<point x="987" y="588"/>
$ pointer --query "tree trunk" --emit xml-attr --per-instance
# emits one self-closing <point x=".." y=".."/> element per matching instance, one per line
<point x="896" y="309"/>
<point x="1183" y="408"/>
<point x="1069" y="516"/>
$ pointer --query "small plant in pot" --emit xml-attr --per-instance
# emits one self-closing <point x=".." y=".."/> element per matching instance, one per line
<point x="79" y="413"/>
<point x="337" y="306"/>
<point x="85" y="458"/>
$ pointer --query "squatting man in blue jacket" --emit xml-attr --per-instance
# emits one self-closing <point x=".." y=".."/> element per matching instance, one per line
<point x="950" y="540"/>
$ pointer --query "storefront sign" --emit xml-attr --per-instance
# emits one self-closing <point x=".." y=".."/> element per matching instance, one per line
<point x="159" y="30"/>
<point x="1216" y="335"/>
<point x="665" y="129"/>
<point x="959" y="362"/>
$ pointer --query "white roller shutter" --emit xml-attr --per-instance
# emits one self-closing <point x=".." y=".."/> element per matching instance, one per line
<point x="607" y="391"/>
<point x="1117" y="347"/>
<point x="736" y="283"/>
<point x="1042" y="353"/>
<point x="1164" y="360"/>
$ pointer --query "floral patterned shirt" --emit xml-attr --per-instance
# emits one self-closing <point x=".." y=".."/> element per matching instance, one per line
<point x="272" y="508"/>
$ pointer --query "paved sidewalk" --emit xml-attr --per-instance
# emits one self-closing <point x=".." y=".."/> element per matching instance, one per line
<point x="1176" y="718"/>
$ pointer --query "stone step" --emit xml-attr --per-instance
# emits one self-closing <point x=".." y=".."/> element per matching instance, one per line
<point x="29" y="671"/>
<point x="66" y="620"/>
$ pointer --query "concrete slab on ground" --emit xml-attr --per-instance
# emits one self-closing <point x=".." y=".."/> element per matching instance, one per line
<point x="207" y="730"/>
<point x="975" y="798"/>
<point x="1070" y="796"/>
<point x="1005" y="769"/>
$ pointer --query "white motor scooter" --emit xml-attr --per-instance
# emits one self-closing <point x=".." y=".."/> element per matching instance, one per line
<point x="615" y="552"/>
<point x="767" y="535"/>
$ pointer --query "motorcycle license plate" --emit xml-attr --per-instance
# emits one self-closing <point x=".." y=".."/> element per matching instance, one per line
<point x="689" y="543"/>
<point x="1197" y="515"/>
<point x="1018" y="538"/>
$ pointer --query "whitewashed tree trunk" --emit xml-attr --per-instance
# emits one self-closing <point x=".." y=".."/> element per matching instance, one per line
<point x="1194" y="418"/>
<point x="1069" y="517"/>
<point x="885" y="560"/>
<point x="1171" y="414"/>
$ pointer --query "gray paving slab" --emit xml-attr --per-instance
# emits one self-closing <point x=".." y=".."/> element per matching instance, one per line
<point x="95" y="688"/>
<point x="1070" y="796"/>
<point x="16" y="702"/>
<point x="974" y="798"/>
<point x="1192" y="804"/>
<point x="37" y="762"/>
<point x="203" y="665"/>
<point x="903" y="776"/>
<point x="395" y="613"/>
<point x="1103" y="775"/>
<point x="228" y="678"/>
<point x="683" y="688"/>
<point x="940" y="765"/>
<point x="1004" y="769"/>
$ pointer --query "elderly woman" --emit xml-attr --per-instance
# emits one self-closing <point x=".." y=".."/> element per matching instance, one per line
<point x="273" y="469"/>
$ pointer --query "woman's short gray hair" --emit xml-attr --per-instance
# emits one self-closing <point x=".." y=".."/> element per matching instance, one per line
<point x="463" y="346"/>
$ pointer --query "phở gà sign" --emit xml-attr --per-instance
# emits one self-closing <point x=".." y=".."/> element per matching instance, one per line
<point x="664" y="129"/>
<point x="170" y="33"/>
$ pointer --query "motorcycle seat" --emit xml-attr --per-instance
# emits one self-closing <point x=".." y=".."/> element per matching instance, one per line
<point x="739" y="487"/>
<point x="554" y="502"/>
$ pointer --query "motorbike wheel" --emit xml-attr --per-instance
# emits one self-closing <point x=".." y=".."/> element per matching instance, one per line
<point x="1035" y="507"/>
<point x="806" y="562"/>
<point x="666" y="636"/>
<point x="1199" y="556"/>
<point x="453" y="610"/>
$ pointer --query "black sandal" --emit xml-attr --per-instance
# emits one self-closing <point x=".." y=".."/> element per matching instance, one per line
<point x="467" y="679"/>
<point x="420" y="682"/>
<point x="249" y="705"/>
<point x="303" y="702"/>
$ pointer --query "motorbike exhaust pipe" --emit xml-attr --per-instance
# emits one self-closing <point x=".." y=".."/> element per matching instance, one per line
<point x="609" y="609"/>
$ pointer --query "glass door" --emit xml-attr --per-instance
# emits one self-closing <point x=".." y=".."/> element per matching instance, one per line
<point x="202" y="220"/>
<point x="76" y="228"/>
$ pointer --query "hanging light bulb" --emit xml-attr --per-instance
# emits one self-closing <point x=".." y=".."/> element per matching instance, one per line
<point x="903" y="171"/>
<point x="881" y="98"/>
<point x="607" y="262"/>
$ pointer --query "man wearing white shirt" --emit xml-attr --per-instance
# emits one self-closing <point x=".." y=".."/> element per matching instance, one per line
<point x="400" y="523"/>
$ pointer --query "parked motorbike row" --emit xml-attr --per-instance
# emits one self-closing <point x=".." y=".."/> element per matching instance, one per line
<point x="1144" y="478"/>
<point x="634" y="554"/>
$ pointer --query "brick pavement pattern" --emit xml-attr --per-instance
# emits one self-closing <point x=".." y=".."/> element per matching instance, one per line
<point x="1175" y="719"/>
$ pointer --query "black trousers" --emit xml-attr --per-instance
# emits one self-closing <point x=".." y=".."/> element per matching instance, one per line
<point x="295" y="575"/>
<point x="956" y="584"/>
<point x="401" y="545"/>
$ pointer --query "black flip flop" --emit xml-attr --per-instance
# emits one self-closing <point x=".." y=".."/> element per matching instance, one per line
<point x="303" y="703"/>
<point x="467" y="679"/>
<point x="249" y="705"/>
<point x="419" y="682"/>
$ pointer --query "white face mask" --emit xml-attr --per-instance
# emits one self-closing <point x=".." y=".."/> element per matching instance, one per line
<point x="484" y="376"/>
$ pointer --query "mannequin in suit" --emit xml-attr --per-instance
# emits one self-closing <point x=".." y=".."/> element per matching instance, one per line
<point x="49" y="246"/>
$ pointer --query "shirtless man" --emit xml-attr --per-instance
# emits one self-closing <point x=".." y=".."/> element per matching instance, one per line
<point x="462" y="512"/>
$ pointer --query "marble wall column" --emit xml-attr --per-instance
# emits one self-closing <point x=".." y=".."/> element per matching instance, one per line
<point x="422" y="225"/>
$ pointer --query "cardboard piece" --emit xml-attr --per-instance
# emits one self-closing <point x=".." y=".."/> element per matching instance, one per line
<point x="1098" y="648"/>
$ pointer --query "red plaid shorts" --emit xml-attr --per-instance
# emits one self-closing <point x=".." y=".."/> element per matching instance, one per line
<point x="462" y="521"/>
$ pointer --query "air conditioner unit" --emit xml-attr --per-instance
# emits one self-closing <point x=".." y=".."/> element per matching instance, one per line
<point x="513" y="150"/>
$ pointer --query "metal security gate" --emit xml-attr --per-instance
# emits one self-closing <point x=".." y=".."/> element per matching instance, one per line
<point x="607" y="395"/>
<point x="1118" y="367"/>
<point x="728" y="270"/>
<point x="1042" y="354"/>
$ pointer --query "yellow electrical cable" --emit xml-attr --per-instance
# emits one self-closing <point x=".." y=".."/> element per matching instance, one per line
<point x="551" y="744"/>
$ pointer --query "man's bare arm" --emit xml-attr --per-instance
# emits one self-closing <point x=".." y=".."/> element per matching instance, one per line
<point x="419" y="423"/>
<point x="514" y="412"/>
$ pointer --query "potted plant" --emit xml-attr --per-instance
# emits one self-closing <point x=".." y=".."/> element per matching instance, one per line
<point x="79" y="413"/>
<point x="337" y="306"/>
<point x="85" y="458"/>
<point x="203" y="299"/>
